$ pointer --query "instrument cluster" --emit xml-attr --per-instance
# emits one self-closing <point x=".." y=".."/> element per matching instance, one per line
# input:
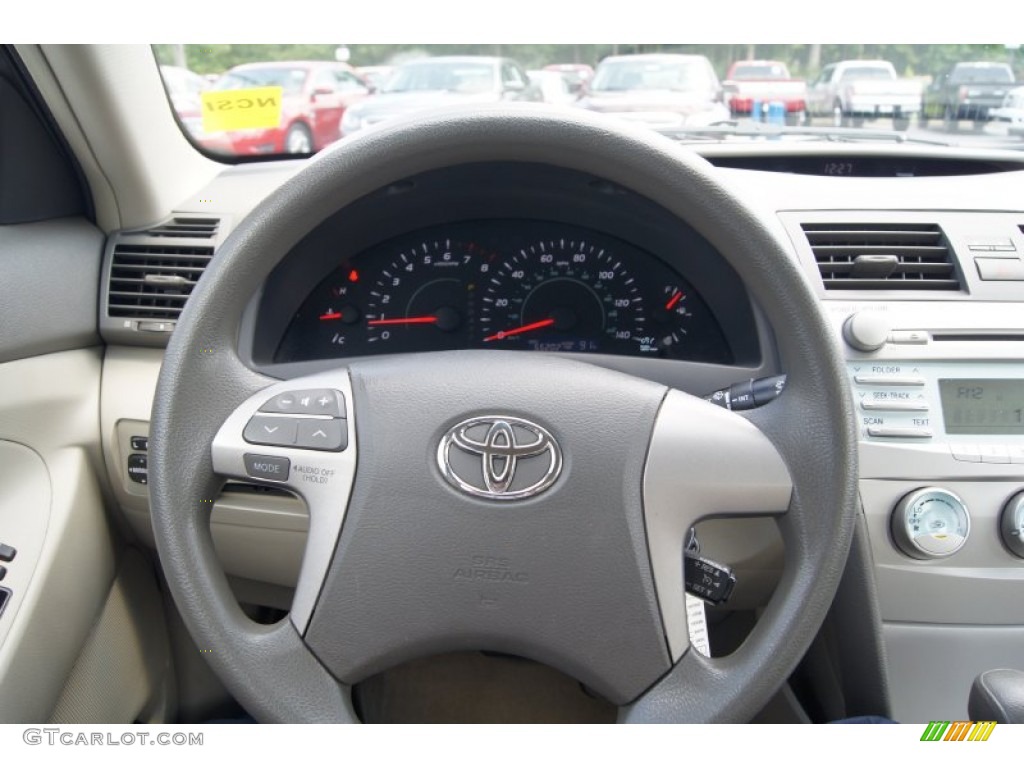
<point x="502" y="284"/>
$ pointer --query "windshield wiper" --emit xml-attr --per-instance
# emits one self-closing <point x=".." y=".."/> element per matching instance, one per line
<point x="752" y="130"/>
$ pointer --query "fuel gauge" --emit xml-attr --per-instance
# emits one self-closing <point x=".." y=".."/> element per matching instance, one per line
<point x="671" y="318"/>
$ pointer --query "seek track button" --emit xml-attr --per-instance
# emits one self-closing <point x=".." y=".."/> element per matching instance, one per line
<point x="323" y="434"/>
<point x="270" y="430"/>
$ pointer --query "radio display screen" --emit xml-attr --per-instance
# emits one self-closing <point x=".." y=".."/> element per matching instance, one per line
<point x="983" y="406"/>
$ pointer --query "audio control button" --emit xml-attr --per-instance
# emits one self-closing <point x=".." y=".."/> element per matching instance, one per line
<point x="994" y="454"/>
<point x="965" y="452"/>
<point x="915" y="432"/>
<point x="888" y="381"/>
<point x="872" y="404"/>
<point x="908" y="337"/>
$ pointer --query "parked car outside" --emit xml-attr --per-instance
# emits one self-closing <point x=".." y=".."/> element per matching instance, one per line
<point x="441" y="81"/>
<point x="184" y="87"/>
<point x="1011" y="112"/>
<point x="659" y="90"/>
<point x="763" y="82"/>
<point x="968" y="91"/>
<point x="853" y="91"/>
<point x="577" y="75"/>
<point x="554" y="86"/>
<point x="377" y="74"/>
<point x="315" y="96"/>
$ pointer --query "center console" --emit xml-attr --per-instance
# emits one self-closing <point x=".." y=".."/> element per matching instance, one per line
<point x="939" y="401"/>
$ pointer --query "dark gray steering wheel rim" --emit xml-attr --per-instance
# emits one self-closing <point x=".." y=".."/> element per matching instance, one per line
<point x="269" y="669"/>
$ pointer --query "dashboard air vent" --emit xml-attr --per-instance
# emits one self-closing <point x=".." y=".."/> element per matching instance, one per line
<point x="181" y="226"/>
<point x="874" y="257"/>
<point x="152" y="282"/>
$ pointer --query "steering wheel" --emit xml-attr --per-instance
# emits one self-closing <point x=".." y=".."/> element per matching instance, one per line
<point x="513" y="502"/>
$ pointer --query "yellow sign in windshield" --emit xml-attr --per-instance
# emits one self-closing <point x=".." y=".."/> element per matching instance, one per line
<point x="241" y="109"/>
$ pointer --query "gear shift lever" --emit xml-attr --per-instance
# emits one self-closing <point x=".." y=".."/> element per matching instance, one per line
<point x="998" y="695"/>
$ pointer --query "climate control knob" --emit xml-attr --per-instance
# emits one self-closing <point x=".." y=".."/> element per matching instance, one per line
<point x="1011" y="524"/>
<point x="930" y="523"/>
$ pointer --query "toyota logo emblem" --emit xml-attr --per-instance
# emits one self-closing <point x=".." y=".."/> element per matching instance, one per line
<point x="499" y="457"/>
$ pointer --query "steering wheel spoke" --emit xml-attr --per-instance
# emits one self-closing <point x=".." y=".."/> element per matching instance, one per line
<point x="703" y="461"/>
<point x="298" y="435"/>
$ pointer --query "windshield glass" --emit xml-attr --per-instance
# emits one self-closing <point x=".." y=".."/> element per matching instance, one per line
<point x="867" y="73"/>
<point x="643" y="75"/>
<point x="253" y="102"/>
<point x="765" y="71"/>
<point x="455" y="76"/>
<point x="982" y="73"/>
<point x="290" y="79"/>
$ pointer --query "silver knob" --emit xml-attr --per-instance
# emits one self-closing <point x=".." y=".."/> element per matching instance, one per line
<point x="867" y="331"/>
<point x="1011" y="524"/>
<point x="930" y="523"/>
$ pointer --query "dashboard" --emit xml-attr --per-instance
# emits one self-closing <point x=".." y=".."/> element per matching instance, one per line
<point x="536" y="258"/>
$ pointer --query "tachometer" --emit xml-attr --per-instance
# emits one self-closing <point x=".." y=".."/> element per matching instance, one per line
<point x="425" y="298"/>
<point x="413" y="294"/>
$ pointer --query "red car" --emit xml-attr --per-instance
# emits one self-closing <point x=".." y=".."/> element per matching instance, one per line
<point x="764" y="82"/>
<point x="315" y="95"/>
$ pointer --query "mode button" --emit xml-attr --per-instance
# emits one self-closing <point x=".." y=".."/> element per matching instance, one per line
<point x="267" y="467"/>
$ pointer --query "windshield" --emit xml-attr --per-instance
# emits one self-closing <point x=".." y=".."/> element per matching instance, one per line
<point x="982" y="73"/>
<point x="454" y="76"/>
<point x="259" y="102"/>
<point x="766" y="71"/>
<point x="867" y="73"/>
<point x="643" y="75"/>
<point x="290" y="79"/>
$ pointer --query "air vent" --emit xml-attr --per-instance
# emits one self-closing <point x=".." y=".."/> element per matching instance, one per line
<point x="181" y="226"/>
<point x="152" y="282"/>
<point x="874" y="257"/>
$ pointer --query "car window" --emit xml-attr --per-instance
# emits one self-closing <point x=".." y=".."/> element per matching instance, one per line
<point x="461" y="77"/>
<point x="346" y="81"/>
<point x="324" y="79"/>
<point x="641" y="75"/>
<point x="646" y="84"/>
<point x="866" y="73"/>
<point x="765" y="71"/>
<point x="290" y="79"/>
<point x="982" y="73"/>
<point x="826" y="75"/>
<point x="511" y="77"/>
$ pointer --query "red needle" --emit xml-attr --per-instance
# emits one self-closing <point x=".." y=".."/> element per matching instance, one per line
<point x="331" y="316"/>
<point x="521" y="329"/>
<point x="674" y="300"/>
<point x="425" y="320"/>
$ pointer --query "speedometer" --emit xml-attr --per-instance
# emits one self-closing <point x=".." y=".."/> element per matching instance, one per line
<point x="563" y="295"/>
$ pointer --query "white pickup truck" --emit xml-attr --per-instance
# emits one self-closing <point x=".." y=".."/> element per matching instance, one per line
<point x="853" y="91"/>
